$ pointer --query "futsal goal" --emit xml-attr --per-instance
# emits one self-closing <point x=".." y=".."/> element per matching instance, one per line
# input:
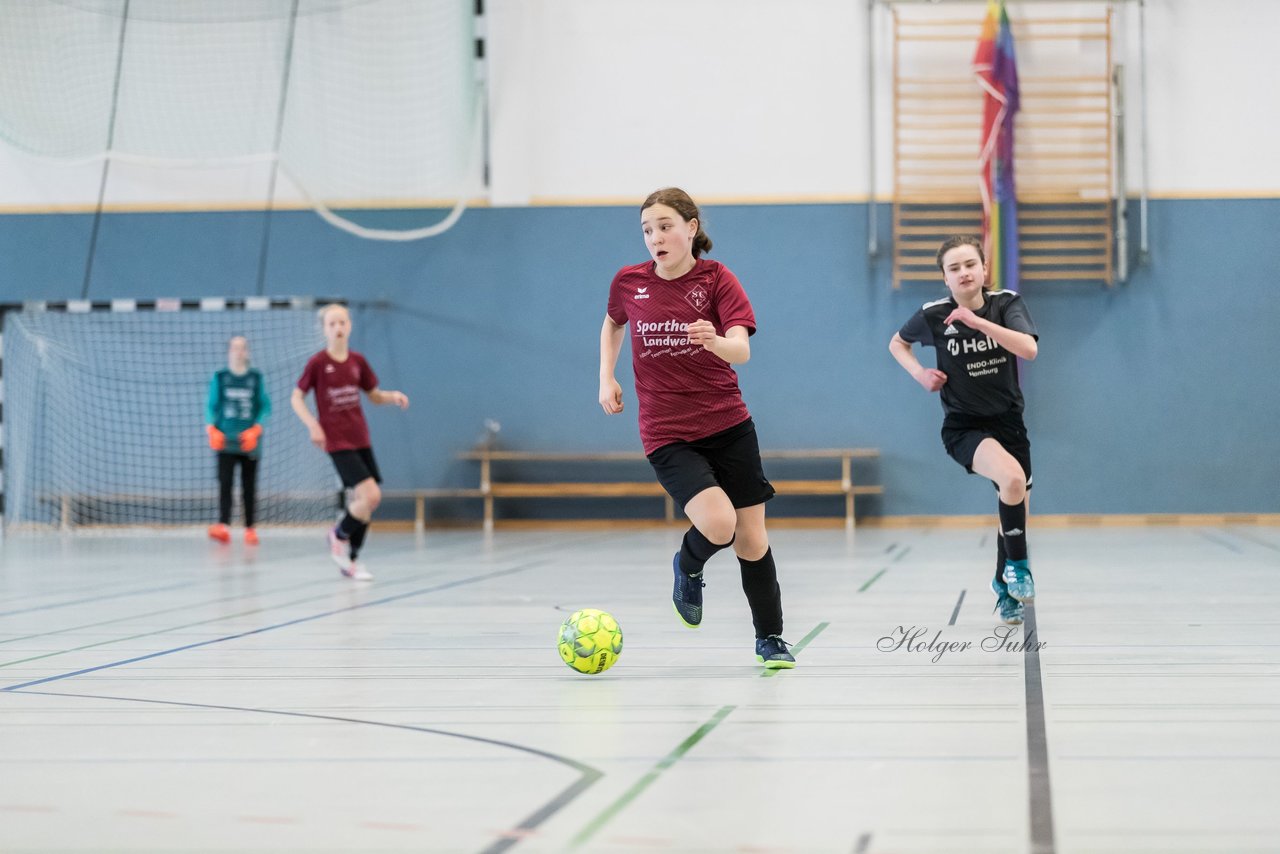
<point x="103" y="414"/>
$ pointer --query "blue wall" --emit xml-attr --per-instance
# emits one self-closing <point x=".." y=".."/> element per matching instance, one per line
<point x="1156" y="396"/>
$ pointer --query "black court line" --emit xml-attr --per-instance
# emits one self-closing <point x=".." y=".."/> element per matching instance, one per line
<point x="589" y="775"/>
<point x="1040" y="801"/>
<point x="956" y="612"/>
<point x="982" y="543"/>
<point x="863" y="845"/>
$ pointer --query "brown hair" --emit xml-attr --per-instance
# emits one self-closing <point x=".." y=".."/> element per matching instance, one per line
<point x="958" y="241"/>
<point x="680" y="202"/>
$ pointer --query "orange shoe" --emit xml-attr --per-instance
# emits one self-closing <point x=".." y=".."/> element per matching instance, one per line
<point x="220" y="533"/>
<point x="250" y="537"/>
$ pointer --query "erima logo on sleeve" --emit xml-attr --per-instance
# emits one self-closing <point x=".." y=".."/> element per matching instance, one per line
<point x="640" y="293"/>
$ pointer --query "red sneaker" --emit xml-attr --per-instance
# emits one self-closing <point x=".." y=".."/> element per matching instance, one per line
<point x="220" y="533"/>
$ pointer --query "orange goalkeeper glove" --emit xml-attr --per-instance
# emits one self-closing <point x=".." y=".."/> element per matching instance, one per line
<point x="249" y="438"/>
<point x="217" y="439"/>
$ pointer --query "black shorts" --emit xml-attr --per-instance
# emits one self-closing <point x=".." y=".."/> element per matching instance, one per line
<point x="355" y="466"/>
<point x="961" y="436"/>
<point x="729" y="459"/>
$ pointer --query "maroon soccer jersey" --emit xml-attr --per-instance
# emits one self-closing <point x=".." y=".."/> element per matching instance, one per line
<point x="685" y="392"/>
<point x="338" y="386"/>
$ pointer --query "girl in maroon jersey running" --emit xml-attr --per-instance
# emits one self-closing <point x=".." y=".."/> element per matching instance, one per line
<point x="338" y="374"/>
<point x="690" y="322"/>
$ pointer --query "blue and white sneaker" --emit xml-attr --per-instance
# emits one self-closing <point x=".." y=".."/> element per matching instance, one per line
<point x="687" y="595"/>
<point x="1017" y="578"/>
<point x="1010" y="609"/>
<point x="772" y="652"/>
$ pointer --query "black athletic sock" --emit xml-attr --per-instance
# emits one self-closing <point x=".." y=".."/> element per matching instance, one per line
<point x="696" y="550"/>
<point x="760" y="583"/>
<point x="357" y="539"/>
<point x="1013" y="524"/>
<point x="348" y="526"/>
<point x="1001" y="555"/>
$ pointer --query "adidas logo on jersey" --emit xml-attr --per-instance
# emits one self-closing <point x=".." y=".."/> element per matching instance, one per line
<point x="951" y="330"/>
<point x="1015" y="532"/>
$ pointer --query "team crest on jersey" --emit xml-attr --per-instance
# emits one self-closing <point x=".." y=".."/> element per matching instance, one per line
<point x="698" y="297"/>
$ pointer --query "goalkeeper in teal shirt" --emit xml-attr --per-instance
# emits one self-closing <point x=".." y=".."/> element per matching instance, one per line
<point x="238" y="404"/>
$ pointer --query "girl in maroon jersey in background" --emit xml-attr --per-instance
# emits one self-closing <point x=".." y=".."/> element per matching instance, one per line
<point x="690" y="322"/>
<point x="338" y="374"/>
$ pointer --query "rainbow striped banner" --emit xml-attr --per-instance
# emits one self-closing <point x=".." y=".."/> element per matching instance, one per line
<point x="996" y="67"/>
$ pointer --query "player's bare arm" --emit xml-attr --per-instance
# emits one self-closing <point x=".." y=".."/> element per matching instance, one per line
<point x="734" y="346"/>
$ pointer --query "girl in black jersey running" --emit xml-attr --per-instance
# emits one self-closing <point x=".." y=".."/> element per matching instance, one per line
<point x="979" y="335"/>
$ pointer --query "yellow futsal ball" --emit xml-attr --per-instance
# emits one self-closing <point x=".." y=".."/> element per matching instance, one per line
<point x="590" y="641"/>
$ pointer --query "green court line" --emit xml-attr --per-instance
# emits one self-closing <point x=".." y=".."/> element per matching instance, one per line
<point x="872" y="580"/>
<point x="643" y="783"/>
<point x="795" y="649"/>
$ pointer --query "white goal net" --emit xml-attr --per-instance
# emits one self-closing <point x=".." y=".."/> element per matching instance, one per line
<point x="104" y="414"/>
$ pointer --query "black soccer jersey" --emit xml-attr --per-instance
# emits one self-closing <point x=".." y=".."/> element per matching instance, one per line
<point x="982" y="376"/>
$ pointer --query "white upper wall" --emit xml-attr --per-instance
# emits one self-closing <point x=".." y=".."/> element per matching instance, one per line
<point x="604" y="100"/>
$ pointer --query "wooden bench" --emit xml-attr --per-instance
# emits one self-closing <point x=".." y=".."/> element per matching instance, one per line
<point x="492" y="488"/>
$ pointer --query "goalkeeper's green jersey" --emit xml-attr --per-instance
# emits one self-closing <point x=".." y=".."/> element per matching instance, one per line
<point x="236" y="403"/>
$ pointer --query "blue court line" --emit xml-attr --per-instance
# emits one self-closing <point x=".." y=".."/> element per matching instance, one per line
<point x="256" y="593"/>
<point x="218" y="619"/>
<point x="126" y="618"/>
<point x="127" y="593"/>
<point x="1253" y="538"/>
<point x="36" y="594"/>
<point x="123" y="595"/>
<point x="221" y="618"/>
<point x="588" y="774"/>
<point x="261" y="629"/>
<point x="301" y="556"/>
<point x="1221" y="541"/>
